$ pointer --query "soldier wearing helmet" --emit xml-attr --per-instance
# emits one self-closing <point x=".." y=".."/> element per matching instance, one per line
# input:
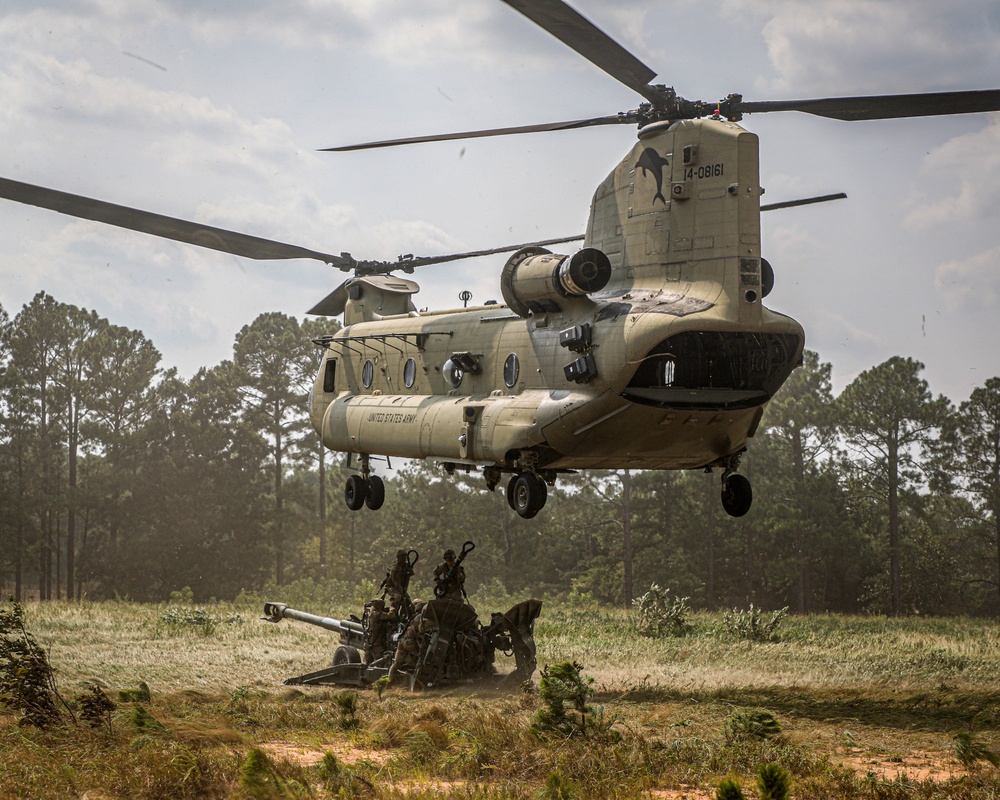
<point x="450" y="578"/>
<point x="397" y="584"/>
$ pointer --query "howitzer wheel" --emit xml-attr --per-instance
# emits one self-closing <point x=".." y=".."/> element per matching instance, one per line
<point x="345" y="654"/>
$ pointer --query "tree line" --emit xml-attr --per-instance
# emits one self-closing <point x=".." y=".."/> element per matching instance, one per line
<point x="120" y="478"/>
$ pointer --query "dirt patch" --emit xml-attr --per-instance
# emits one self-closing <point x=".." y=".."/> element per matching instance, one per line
<point x="687" y="793"/>
<point x="306" y="756"/>
<point x="920" y="766"/>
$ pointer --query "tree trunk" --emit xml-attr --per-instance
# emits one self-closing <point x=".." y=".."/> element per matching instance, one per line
<point x="894" y="571"/>
<point x="627" y="587"/>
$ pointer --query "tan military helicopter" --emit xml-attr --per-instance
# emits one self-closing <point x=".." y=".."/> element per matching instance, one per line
<point x="650" y="348"/>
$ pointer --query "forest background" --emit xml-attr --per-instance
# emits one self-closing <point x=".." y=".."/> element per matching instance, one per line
<point x="119" y="478"/>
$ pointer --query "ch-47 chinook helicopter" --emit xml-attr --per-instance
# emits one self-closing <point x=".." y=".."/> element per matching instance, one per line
<point x="650" y="348"/>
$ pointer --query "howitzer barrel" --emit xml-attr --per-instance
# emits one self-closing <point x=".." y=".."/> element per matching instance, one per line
<point x="275" y="612"/>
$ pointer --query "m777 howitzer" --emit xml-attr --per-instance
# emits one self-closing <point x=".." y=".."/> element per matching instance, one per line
<point x="444" y="643"/>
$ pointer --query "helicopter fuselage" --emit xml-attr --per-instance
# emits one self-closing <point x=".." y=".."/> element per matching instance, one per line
<point x="666" y="365"/>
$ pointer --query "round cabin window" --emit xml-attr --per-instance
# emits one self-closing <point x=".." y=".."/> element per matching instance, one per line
<point x="452" y="373"/>
<point x="409" y="373"/>
<point x="511" y="370"/>
<point x="368" y="374"/>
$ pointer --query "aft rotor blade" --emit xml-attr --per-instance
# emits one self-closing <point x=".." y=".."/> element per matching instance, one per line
<point x="805" y="201"/>
<point x="426" y="260"/>
<point x="179" y="230"/>
<point x="576" y="31"/>
<point x="891" y="106"/>
<point x="444" y="137"/>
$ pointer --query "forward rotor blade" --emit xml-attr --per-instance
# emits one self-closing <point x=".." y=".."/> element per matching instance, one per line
<point x="443" y="137"/>
<point x="179" y="230"/>
<point x="805" y="201"/>
<point x="890" y="106"/>
<point x="576" y="31"/>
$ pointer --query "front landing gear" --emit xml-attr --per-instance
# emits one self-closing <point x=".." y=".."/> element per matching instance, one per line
<point x="737" y="494"/>
<point x="364" y="489"/>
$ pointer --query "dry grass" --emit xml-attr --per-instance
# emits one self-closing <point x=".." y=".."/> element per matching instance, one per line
<point x="868" y="708"/>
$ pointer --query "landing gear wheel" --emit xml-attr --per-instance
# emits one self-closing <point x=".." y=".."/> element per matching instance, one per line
<point x="737" y="495"/>
<point x="526" y="494"/>
<point x="355" y="492"/>
<point x="345" y="654"/>
<point x="376" y="493"/>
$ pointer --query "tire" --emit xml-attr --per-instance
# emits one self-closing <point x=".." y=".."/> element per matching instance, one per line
<point x="376" y="493"/>
<point x="345" y="654"/>
<point x="528" y="495"/>
<point x="355" y="492"/>
<point x="737" y="496"/>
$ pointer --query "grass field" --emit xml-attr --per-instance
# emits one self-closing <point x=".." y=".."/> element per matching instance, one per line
<point x="867" y="708"/>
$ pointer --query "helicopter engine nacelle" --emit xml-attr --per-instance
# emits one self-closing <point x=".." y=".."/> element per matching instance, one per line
<point x="535" y="279"/>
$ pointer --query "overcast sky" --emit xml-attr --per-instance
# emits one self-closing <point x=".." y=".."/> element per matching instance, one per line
<point x="214" y="112"/>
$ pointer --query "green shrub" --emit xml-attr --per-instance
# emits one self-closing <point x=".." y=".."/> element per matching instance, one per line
<point x="27" y="681"/>
<point x="140" y="695"/>
<point x="970" y="751"/>
<point x="773" y="782"/>
<point x="566" y="694"/>
<point x="752" y="723"/>
<point x="95" y="707"/>
<point x="661" y="616"/>
<point x="753" y="624"/>
<point x="729" y="789"/>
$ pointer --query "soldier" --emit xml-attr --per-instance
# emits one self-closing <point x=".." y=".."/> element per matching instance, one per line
<point x="378" y="622"/>
<point x="450" y="579"/>
<point x="408" y="649"/>
<point x="397" y="583"/>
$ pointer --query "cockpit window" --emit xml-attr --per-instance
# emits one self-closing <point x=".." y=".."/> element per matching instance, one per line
<point x="330" y="376"/>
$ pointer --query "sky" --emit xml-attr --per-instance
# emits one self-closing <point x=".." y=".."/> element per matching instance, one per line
<point x="216" y="112"/>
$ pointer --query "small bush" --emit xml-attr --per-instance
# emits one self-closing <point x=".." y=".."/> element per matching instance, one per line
<point x="661" y="616"/>
<point x="563" y="685"/>
<point x="557" y="787"/>
<point x="27" y="680"/>
<point x="753" y="723"/>
<point x="95" y="707"/>
<point x="970" y="751"/>
<point x="773" y="782"/>
<point x="340" y="780"/>
<point x="347" y="703"/>
<point x="140" y="695"/>
<point x="753" y="624"/>
<point x="198" y="618"/>
<point x="729" y="789"/>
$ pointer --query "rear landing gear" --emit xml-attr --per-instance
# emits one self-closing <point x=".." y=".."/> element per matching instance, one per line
<point x="364" y="489"/>
<point x="526" y="494"/>
<point x="737" y="494"/>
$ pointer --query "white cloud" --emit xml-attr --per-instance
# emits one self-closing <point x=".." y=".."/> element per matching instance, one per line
<point x="971" y="284"/>
<point x="960" y="180"/>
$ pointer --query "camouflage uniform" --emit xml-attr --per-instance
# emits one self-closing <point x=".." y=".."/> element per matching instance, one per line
<point x="408" y="649"/>
<point x="378" y="623"/>
<point x="397" y="583"/>
<point x="452" y="587"/>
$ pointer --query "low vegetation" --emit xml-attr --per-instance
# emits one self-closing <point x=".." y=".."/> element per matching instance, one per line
<point x="838" y="707"/>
